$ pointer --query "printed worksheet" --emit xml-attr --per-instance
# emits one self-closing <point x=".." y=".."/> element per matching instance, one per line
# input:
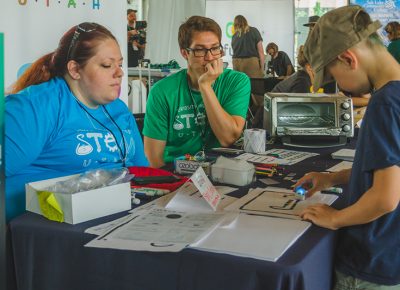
<point x="277" y="202"/>
<point x="277" y="156"/>
<point x="158" y="230"/>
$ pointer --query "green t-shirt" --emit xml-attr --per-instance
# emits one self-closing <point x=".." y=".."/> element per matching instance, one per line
<point x="171" y="114"/>
<point x="394" y="49"/>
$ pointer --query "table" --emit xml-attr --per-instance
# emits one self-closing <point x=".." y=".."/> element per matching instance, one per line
<point x="50" y="256"/>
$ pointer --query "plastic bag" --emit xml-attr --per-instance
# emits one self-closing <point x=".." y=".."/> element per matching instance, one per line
<point x="92" y="179"/>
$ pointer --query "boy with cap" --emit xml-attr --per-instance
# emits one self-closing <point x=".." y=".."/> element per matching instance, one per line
<point x="344" y="45"/>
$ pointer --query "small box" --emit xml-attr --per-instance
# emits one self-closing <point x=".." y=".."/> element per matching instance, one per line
<point x="189" y="166"/>
<point x="82" y="206"/>
<point x="231" y="171"/>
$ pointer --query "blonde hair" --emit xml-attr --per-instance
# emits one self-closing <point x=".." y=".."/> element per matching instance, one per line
<point x="240" y="25"/>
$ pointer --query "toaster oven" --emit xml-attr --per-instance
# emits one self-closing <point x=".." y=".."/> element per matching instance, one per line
<point x="308" y="120"/>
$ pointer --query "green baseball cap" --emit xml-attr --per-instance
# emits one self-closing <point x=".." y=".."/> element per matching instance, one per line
<point x="334" y="33"/>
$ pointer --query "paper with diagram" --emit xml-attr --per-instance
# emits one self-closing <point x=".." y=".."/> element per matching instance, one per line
<point x="277" y="202"/>
<point x="158" y="230"/>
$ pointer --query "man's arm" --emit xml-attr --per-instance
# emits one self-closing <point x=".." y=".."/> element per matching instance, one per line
<point x="289" y="70"/>
<point x="154" y="150"/>
<point x="261" y="55"/>
<point x="361" y="101"/>
<point x="226" y="128"/>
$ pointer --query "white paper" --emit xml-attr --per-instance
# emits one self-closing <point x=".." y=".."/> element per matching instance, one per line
<point x="277" y="156"/>
<point x="104" y="228"/>
<point x="158" y="230"/>
<point x="206" y="188"/>
<point x="341" y="166"/>
<point x="188" y="198"/>
<point x="161" y="202"/>
<point x="344" y="154"/>
<point x="252" y="236"/>
<point x="277" y="202"/>
<point x="268" y="181"/>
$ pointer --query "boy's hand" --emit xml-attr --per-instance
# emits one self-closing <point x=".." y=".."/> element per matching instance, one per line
<point x="321" y="215"/>
<point x="314" y="181"/>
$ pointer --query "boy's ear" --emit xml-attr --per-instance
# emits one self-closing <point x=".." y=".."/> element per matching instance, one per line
<point x="349" y="58"/>
<point x="73" y="70"/>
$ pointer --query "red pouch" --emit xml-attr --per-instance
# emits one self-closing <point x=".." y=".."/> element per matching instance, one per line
<point x="148" y="171"/>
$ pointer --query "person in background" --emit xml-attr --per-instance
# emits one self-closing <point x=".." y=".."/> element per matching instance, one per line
<point x="393" y="34"/>
<point x="63" y="115"/>
<point x="197" y="108"/>
<point x="360" y="103"/>
<point x="344" y="45"/>
<point x="300" y="81"/>
<point x="248" y="52"/>
<point x="312" y="20"/>
<point x="280" y="62"/>
<point x="135" y="49"/>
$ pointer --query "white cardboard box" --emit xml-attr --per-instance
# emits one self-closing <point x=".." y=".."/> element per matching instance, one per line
<point x="82" y="206"/>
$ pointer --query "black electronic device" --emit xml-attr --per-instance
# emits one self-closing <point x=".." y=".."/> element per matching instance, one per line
<point x="228" y="151"/>
<point x="142" y="180"/>
<point x="139" y="25"/>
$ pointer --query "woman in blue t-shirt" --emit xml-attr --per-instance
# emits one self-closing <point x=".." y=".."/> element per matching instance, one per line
<point x="63" y="115"/>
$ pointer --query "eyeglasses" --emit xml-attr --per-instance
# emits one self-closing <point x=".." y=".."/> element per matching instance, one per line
<point x="202" y="52"/>
<point x="83" y="27"/>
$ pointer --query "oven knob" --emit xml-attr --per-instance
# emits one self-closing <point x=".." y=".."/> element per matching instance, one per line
<point x="346" y="116"/>
<point x="346" y="128"/>
<point x="345" y="105"/>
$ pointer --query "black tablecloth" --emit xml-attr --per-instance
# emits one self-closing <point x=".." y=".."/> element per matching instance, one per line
<point x="52" y="256"/>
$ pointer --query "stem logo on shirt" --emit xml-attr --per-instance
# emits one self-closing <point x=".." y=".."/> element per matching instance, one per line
<point x="85" y="146"/>
<point x="109" y="140"/>
<point x="186" y="122"/>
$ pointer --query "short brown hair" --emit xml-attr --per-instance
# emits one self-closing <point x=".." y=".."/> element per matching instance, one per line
<point x="272" y="45"/>
<point x="196" y="24"/>
<point x="393" y="27"/>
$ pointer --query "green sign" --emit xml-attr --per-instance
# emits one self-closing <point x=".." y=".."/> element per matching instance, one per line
<point x="229" y="30"/>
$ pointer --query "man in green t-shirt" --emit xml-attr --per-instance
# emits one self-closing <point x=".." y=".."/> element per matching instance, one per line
<point x="197" y="108"/>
